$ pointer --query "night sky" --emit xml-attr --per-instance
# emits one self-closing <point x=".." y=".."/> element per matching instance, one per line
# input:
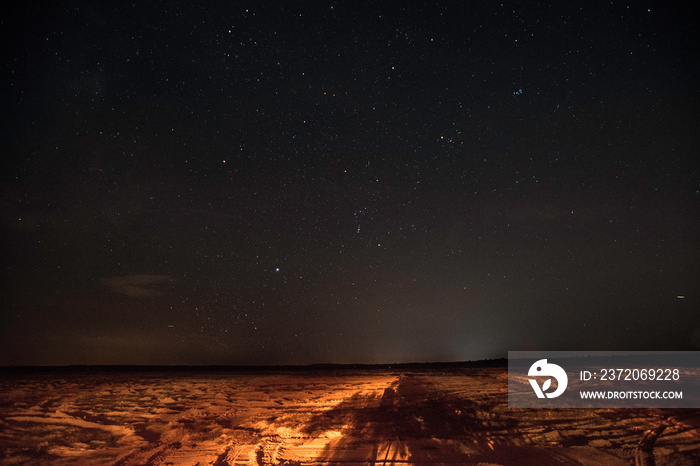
<point x="351" y="182"/>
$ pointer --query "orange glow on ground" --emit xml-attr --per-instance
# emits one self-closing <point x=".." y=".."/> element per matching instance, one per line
<point x="332" y="417"/>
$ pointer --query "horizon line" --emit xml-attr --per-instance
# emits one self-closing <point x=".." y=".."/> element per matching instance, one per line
<point x="478" y="362"/>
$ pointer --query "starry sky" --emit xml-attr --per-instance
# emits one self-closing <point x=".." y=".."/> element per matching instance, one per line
<point x="347" y="182"/>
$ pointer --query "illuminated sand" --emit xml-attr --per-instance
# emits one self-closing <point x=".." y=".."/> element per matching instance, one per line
<point x="323" y="417"/>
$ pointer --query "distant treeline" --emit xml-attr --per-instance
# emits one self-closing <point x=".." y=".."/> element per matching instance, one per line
<point x="502" y="362"/>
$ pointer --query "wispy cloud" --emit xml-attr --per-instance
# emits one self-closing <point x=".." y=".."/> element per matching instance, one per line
<point x="138" y="286"/>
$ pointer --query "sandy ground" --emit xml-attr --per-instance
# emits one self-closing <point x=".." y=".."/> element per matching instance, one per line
<point x="323" y="417"/>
